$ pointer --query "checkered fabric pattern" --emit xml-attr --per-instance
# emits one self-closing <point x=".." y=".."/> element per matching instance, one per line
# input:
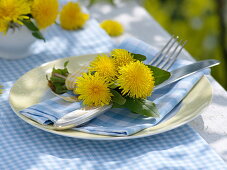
<point x="119" y="122"/>
<point x="25" y="147"/>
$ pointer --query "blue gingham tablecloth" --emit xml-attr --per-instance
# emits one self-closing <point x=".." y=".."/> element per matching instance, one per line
<point x="25" y="147"/>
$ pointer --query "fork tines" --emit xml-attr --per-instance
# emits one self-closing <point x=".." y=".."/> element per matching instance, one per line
<point x="165" y="58"/>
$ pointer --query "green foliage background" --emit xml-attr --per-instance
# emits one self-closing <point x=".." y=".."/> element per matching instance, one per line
<point x="201" y="23"/>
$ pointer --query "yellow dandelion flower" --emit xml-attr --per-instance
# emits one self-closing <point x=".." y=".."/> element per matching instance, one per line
<point x="71" y="16"/>
<point x="113" y="28"/>
<point x="13" y="11"/>
<point x="105" y="66"/>
<point x="122" y="57"/>
<point x="44" y="12"/>
<point x="93" y="90"/>
<point x="136" y="80"/>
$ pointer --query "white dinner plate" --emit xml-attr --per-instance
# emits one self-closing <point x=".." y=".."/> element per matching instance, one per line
<point x="32" y="88"/>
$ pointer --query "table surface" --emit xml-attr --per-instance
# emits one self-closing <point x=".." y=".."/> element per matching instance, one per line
<point x="211" y="124"/>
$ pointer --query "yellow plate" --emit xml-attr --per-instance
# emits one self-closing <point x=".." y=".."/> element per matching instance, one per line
<point x="32" y="88"/>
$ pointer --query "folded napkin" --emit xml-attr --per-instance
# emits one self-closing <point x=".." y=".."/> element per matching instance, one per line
<point x="120" y="122"/>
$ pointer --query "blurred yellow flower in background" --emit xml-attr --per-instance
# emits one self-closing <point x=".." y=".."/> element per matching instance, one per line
<point x="105" y="66"/>
<point x="122" y="57"/>
<point x="136" y="80"/>
<point x="13" y="11"/>
<point x="45" y="12"/>
<point x="72" y="17"/>
<point x="93" y="90"/>
<point x="113" y="28"/>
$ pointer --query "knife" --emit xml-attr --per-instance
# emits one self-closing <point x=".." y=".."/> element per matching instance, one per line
<point x="187" y="70"/>
<point x="81" y="116"/>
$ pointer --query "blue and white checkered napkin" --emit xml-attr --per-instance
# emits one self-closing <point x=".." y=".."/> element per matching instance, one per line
<point x="119" y="122"/>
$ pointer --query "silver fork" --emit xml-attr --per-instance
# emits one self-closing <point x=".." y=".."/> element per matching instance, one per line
<point x="165" y="58"/>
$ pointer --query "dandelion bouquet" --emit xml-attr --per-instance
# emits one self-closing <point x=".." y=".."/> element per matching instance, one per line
<point x="34" y="14"/>
<point x="39" y="14"/>
<point x="120" y="79"/>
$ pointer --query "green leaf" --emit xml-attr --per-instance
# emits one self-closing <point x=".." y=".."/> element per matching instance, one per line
<point x="139" y="57"/>
<point x="140" y="106"/>
<point x="57" y="79"/>
<point x="56" y="71"/>
<point x="64" y="71"/>
<point x="38" y="34"/>
<point x="159" y="74"/>
<point x="118" y="98"/>
<point x="59" y="89"/>
<point x="33" y="28"/>
<point x="66" y="63"/>
<point x="30" y="25"/>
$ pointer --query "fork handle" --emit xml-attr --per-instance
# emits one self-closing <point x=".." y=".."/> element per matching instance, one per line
<point x="79" y="117"/>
